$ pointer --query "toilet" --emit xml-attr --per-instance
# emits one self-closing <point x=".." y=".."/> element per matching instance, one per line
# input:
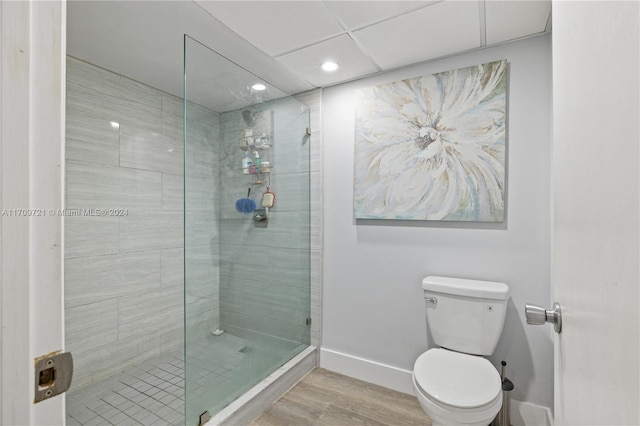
<point x="454" y="383"/>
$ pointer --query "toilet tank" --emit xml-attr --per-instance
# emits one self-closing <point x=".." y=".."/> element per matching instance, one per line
<point x="466" y="315"/>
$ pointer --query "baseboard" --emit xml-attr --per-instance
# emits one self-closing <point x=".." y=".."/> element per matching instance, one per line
<point x="369" y="371"/>
<point x="522" y="413"/>
<point x="528" y="414"/>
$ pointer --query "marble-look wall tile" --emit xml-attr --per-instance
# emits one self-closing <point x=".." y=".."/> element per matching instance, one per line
<point x="96" y="363"/>
<point x="201" y="193"/>
<point x="125" y="112"/>
<point x="292" y="190"/>
<point x="91" y="325"/>
<point x="202" y="271"/>
<point x="286" y="266"/>
<point x="202" y="316"/>
<point x="172" y="192"/>
<point x="172" y="114"/>
<point x="316" y="231"/>
<point x="151" y="229"/>
<point x="172" y="267"/>
<point x="111" y="84"/>
<point x="201" y="228"/>
<point x="285" y="230"/>
<point x="91" y="138"/>
<point x="315" y="153"/>
<point x="149" y="150"/>
<point x="315" y="191"/>
<point x="142" y="314"/>
<point x="97" y="278"/>
<point x="90" y="236"/>
<point x="91" y="185"/>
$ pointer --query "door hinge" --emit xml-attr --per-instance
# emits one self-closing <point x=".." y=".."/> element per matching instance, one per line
<point x="309" y="321"/>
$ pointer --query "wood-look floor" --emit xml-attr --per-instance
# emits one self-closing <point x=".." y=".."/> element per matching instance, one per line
<point x="331" y="399"/>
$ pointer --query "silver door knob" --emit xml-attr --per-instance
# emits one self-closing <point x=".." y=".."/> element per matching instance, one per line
<point x="537" y="315"/>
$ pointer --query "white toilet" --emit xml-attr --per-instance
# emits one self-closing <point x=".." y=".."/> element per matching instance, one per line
<point x="454" y="383"/>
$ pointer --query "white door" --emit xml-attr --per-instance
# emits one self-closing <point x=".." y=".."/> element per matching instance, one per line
<point x="596" y="193"/>
<point x="32" y="90"/>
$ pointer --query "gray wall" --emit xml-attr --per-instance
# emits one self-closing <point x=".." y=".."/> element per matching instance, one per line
<point x="123" y="275"/>
<point x="373" y="305"/>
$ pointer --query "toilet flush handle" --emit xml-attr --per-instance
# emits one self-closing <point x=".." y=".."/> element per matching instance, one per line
<point x="431" y="299"/>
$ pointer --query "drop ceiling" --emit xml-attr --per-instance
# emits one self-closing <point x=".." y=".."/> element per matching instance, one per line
<point x="284" y="42"/>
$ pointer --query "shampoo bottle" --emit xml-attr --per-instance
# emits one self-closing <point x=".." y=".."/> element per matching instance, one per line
<point x="246" y="163"/>
<point x="257" y="161"/>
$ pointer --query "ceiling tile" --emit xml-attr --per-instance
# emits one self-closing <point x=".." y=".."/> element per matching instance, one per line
<point x="356" y="14"/>
<point x="276" y="27"/>
<point x="507" y="20"/>
<point x="306" y="62"/>
<point x="148" y="45"/>
<point x="434" y="31"/>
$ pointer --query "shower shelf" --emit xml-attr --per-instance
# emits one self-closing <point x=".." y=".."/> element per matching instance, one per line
<point x="248" y="143"/>
<point x="256" y="173"/>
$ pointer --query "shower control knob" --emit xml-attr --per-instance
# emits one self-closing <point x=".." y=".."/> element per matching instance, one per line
<point x="537" y="315"/>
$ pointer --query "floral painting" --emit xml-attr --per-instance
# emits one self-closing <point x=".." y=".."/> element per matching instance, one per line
<point x="433" y="147"/>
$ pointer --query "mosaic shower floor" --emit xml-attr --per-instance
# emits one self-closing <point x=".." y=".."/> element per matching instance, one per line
<point x="219" y="368"/>
<point x="152" y="393"/>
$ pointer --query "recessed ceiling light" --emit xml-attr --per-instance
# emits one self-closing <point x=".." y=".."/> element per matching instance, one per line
<point x="329" y="66"/>
<point x="258" y="87"/>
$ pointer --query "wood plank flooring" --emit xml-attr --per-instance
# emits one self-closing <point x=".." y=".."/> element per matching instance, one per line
<point x="325" y="398"/>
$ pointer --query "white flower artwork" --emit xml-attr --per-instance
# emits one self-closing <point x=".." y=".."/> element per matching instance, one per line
<point x="433" y="147"/>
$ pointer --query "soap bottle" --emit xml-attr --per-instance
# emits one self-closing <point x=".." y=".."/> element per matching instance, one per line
<point x="257" y="161"/>
<point x="246" y="163"/>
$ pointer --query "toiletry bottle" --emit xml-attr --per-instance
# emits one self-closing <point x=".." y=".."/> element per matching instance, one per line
<point x="246" y="163"/>
<point x="257" y="161"/>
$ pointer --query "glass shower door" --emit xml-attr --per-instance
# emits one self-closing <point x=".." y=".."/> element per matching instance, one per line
<point x="246" y="212"/>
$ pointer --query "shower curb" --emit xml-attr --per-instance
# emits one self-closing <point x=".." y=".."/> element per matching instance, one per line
<point x="254" y="402"/>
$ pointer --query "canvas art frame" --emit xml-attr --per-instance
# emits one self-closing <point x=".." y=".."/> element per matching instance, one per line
<point x="433" y="147"/>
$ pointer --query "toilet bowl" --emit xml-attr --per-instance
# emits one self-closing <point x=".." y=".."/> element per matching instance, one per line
<point x="454" y="383"/>
<point x="457" y="389"/>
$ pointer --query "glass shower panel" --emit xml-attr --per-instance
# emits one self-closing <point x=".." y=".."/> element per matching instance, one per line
<point x="247" y="254"/>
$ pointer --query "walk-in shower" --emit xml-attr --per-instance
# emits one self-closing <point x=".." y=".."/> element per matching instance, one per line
<point x="176" y="303"/>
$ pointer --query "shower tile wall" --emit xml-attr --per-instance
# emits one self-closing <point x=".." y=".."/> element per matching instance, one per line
<point x="265" y="271"/>
<point x="124" y="274"/>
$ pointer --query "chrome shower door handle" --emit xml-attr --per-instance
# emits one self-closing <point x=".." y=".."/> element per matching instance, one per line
<point x="537" y="315"/>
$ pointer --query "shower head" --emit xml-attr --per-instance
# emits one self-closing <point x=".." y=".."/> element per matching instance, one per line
<point x="248" y="118"/>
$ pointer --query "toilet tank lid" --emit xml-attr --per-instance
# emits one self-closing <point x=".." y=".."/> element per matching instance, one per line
<point x="465" y="287"/>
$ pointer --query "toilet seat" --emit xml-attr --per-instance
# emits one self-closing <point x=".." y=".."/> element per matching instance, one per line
<point x="457" y="381"/>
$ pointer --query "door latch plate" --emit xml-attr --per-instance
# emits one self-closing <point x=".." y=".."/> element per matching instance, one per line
<point x="53" y="375"/>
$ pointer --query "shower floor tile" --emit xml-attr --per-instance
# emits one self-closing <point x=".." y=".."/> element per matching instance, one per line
<point x="136" y="396"/>
<point x="152" y="393"/>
